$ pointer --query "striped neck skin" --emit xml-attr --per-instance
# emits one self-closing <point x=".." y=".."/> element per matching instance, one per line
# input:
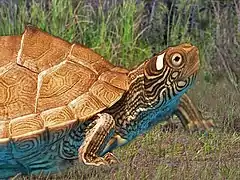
<point x="145" y="95"/>
<point x="150" y="88"/>
<point x="162" y="86"/>
<point x="155" y="89"/>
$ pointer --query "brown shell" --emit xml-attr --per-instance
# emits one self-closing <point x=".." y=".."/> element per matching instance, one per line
<point x="46" y="82"/>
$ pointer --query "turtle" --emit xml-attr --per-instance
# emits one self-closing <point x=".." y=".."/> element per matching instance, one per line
<point x="62" y="102"/>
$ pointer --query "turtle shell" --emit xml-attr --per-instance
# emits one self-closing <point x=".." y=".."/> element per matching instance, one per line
<point x="48" y="83"/>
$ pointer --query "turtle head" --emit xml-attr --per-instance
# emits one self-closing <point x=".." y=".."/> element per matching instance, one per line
<point x="172" y="70"/>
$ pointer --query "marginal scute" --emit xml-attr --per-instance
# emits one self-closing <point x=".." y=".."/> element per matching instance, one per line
<point x="40" y="51"/>
<point x="53" y="117"/>
<point x="18" y="91"/>
<point x="102" y="66"/>
<point x="9" y="46"/>
<point x="83" y="54"/>
<point x="115" y="78"/>
<point x="4" y="129"/>
<point x="60" y="130"/>
<point x="106" y="93"/>
<point x="25" y="124"/>
<point x="25" y="146"/>
<point x="120" y="70"/>
<point x="63" y="83"/>
<point x="86" y="106"/>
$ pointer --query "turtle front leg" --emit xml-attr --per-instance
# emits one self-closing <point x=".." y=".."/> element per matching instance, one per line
<point x="191" y="117"/>
<point x="99" y="134"/>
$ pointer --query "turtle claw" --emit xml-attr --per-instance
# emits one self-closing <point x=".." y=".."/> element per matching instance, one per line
<point x="208" y="124"/>
<point x="202" y="126"/>
<point x="107" y="160"/>
<point x="191" y="117"/>
<point x="111" y="158"/>
<point x="169" y="126"/>
<point x="98" y="161"/>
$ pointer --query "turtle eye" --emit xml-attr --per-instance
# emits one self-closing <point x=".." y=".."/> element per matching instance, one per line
<point x="176" y="59"/>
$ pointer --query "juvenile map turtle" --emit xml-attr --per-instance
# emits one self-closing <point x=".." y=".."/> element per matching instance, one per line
<point x="62" y="101"/>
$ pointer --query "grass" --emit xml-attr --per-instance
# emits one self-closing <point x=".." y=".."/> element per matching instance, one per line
<point x="117" y="32"/>
<point x="177" y="157"/>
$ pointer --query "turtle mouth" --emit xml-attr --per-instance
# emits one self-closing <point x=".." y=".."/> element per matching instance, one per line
<point x="194" y="70"/>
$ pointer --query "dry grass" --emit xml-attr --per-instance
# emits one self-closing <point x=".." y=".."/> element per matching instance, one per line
<point x="180" y="155"/>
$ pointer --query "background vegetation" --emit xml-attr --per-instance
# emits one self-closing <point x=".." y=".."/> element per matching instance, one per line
<point x="128" y="31"/>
